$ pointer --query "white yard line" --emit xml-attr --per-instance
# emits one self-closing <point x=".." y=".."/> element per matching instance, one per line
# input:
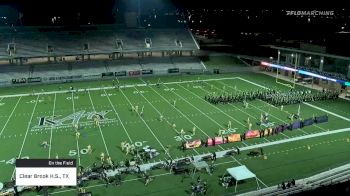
<point x="329" y="112"/>
<point x="53" y="115"/>
<point x="184" y="115"/>
<point x="242" y="149"/>
<point x="99" y="127"/>
<point x="25" y="136"/>
<point x="115" y="111"/>
<point x="164" y="117"/>
<point x="258" y="109"/>
<point x="108" y="87"/>
<point x="147" y="125"/>
<point x="200" y="98"/>
<point x="295" y="139"/>
<point x="211" y="120"/>
<point x="77" y="142"/>
<point x="232" y="104"/>
<point x="288" y="112"/>
<point x="8" y="119"/>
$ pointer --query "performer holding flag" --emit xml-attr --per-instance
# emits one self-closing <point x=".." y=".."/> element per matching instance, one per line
<point x="141" y="113"/>
<point x="89" y="149"/>
<point x="193" y="131"/>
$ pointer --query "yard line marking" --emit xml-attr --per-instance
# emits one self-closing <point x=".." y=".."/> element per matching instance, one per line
<point x="78" y="149"/>
<point x="258" y="109"/>
<point x="329" y="112"/>
<point x="121" y="122"/>
<point x="184" y="115"/>
<point x="109" y="87"/>
<point x="210" y="105"/>
<point x="285" y="111"/>
<point x="232" y="104"/>
<point x="99" y="127"/>
<point x="147" y="125"/>
<point x="296" y="139"/>
<point x="164" y="118"/>
<point x="53" y="114"/>
<point x="8" y="119"/>
<point x="129" y="180"/>
<point x="211" y="120"/>
<point x="25" y="136"/>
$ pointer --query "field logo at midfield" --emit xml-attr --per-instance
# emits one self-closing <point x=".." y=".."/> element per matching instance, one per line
<point x="81" y="117"/>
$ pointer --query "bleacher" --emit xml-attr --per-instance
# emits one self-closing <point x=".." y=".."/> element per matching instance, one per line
<point x="34" y="43"/>
<point x="159" y="65"/>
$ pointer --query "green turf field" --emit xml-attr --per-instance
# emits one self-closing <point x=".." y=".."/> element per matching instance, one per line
<point x="20" y="135"/>
<point x="222" y="61"/>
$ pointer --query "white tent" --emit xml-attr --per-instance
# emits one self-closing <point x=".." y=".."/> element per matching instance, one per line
<point x="241" y="173"/>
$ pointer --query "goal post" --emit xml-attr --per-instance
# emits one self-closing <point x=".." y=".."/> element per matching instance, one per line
<point x="282" y="81"/>
<point x="278" y="78"/>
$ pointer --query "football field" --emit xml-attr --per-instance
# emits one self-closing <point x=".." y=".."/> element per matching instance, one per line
<point x="26" y="120"/>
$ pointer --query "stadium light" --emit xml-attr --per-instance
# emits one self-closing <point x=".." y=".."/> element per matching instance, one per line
<point x="278" y="66"/>
<point x="305" y="73"/>
<point x="316" y="75"/>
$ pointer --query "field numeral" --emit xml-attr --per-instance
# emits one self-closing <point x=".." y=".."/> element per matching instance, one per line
<point x="33" y="101"/>
<point x="109" y="94"/>
<point x="139" y="144"/>
<point x="73" y="153"/>
<point x="70" y="98"/>
<point x="12" y="161"/>
<point x="139" y="92"/>
<point x="169" y="89"/>
<point x="178" y="138"/>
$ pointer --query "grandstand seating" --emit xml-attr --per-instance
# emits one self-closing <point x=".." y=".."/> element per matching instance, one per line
<point x="162" y="64"/>
<point x="34" y="43"/>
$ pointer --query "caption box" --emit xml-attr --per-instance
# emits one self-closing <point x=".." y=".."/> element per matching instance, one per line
<point x="46" y="172"/>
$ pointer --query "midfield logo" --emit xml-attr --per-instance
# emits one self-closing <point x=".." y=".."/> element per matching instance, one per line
<point x="81" y="117"/>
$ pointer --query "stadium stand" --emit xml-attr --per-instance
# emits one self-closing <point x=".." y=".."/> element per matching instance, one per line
<point x="34" y="43"/>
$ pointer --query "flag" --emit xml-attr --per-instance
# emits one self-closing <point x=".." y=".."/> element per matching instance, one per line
<point x="299" y="110"/>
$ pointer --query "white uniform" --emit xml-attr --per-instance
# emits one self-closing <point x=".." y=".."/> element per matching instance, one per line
<point x="77" y="135"/>
<point x="182" y="132"/>
<point x="102" y="156"/>
<point x="89" y="149"/>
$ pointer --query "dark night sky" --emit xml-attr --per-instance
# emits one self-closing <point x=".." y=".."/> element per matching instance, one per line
<point x="40" y="12"/>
